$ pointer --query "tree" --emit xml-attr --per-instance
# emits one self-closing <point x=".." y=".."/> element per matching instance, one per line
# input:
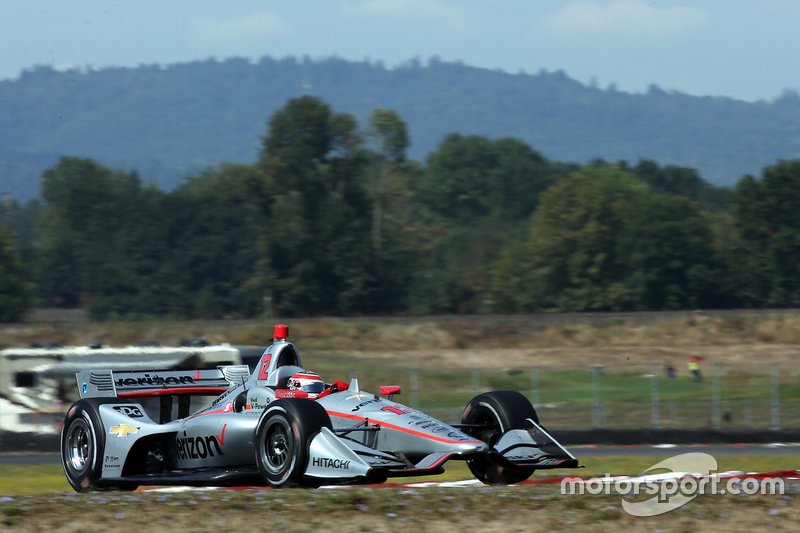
<point x="316" y="245"/>
<point x="14" y="284"/>
<point x="574" y="238"/>
<point x="84" y="244"/>
<point x="764" y="258"/>
<point x="681" y="181"/>
<point x="213" y="244"/>
<point x="666" y="246"/>
<point x="601" y="240"/>
<point x="389" y="131"/>
<point x="469" y="178"/>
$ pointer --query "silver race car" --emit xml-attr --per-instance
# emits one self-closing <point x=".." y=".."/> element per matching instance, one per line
<point x="281" y="425"/>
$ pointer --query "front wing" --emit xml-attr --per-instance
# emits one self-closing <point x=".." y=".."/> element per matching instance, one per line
<point x="334" y="457"/>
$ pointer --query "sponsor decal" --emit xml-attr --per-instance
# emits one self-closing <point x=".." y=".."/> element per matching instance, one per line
<point x="221" y="398"/>
<point x="434" y="426"/>
<point x="327" y="462"/>
<point x="282" y="393"/>
<point x="364" y="404"/>
<point x="123" y="430"/>
<point x="221" y="437"/>
<point x="154" y="381"/>
<point x="200" y="447"/>
<point x="131" y="411"/>
<point x="255" y="404"/>
<point x="111" y="462"/>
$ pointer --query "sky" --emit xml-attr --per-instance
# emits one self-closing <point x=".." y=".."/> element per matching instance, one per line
<point x="748" y="50"/>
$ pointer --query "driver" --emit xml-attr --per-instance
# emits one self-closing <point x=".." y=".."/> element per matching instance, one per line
<point x="312" y="385"/>
<point x="307" y="382"/>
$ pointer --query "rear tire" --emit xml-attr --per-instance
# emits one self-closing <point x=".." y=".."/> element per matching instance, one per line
<point x="82" y="446"/>
<point x="283" y="436"/>
<point x="83" y="443"/>
<point x="497" y="412"/>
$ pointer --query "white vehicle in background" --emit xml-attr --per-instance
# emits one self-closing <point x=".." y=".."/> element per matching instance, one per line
<point x="37" y="384"/>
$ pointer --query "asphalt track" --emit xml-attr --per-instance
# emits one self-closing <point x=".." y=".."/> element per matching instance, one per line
<point x="24" y="458"/>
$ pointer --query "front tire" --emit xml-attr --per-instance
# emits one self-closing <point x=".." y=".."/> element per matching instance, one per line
<point x="495" y="413"/>
<point x="283" y="436"/>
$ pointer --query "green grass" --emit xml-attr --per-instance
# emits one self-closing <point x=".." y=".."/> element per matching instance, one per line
<point x="566" y="397"/>
<point x="383" y="350"/>
<point x="32" y="479"/>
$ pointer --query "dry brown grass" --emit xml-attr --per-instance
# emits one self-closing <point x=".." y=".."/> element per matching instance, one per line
<point x="739" y="339"/>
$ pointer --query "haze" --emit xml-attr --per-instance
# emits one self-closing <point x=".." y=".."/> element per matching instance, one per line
<point x="745" y="50"/>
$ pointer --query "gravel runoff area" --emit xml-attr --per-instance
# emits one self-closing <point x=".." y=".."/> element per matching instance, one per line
<point x="516" y="508"/>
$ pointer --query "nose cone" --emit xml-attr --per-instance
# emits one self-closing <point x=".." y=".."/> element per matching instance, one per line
<point x="467" y="444"/>
<point x="468" y="448"/>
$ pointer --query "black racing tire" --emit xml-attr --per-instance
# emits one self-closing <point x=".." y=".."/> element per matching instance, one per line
<point x="497" y="412"/>
<point x="282" y="439"/>
<point x="83" y="442"/>
<point x="82" y="445"/>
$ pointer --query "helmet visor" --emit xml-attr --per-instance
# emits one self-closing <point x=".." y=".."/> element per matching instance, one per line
<point x="313" y="387"/>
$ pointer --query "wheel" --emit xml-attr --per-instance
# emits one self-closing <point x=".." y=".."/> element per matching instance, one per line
<point x="283" y="435"/>
<point x="82" y="446"/>
<point x="496" y="412"/>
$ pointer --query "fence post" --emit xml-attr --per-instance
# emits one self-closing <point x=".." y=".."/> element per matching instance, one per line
<point x="413" y="381"/>
<point x="748" y="413"/>
<point x="716" y="396"/>
<point x="597" y="414"/>
<point x="2" y="422"/>
<point x="655" y="399"/>
<point x="476" y="381"/>
<point x="775" y="396"/>
<point x="535" y="398"/>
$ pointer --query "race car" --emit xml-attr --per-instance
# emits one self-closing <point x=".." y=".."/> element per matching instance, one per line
<point x="281" y="425"/>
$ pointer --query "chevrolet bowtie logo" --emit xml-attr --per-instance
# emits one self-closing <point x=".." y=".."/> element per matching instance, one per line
<point x="123" y="430"/>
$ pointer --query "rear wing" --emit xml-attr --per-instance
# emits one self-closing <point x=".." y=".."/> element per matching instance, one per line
<point x="142" y="384"/>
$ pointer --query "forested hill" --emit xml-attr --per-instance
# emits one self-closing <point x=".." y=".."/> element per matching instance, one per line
<point x="169" y="122"/>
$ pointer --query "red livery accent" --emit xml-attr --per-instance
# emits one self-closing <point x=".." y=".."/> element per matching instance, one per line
<point x="386" y="390"/>
<point x="178" y="391"/>
<point x="395" y="410"/>
<point x="285" y="393"/>
<point x="406" y="430"/>
<point x="264" y="366"/>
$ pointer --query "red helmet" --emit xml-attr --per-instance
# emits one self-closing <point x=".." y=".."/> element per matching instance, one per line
<point x="308" y="382"/>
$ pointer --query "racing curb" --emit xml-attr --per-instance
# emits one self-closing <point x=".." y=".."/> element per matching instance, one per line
<point x="33" y="442"/>
<point x="674" y="436"/>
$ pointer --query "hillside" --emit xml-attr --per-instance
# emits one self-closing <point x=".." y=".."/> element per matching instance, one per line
<point x="168" y="122"/>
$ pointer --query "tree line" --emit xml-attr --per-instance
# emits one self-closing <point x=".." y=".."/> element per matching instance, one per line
<point x="181" y="118"/>
<point x="333" y="219"/>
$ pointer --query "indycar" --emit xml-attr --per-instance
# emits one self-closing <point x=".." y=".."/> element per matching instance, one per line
<point x="281" y="425"/>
